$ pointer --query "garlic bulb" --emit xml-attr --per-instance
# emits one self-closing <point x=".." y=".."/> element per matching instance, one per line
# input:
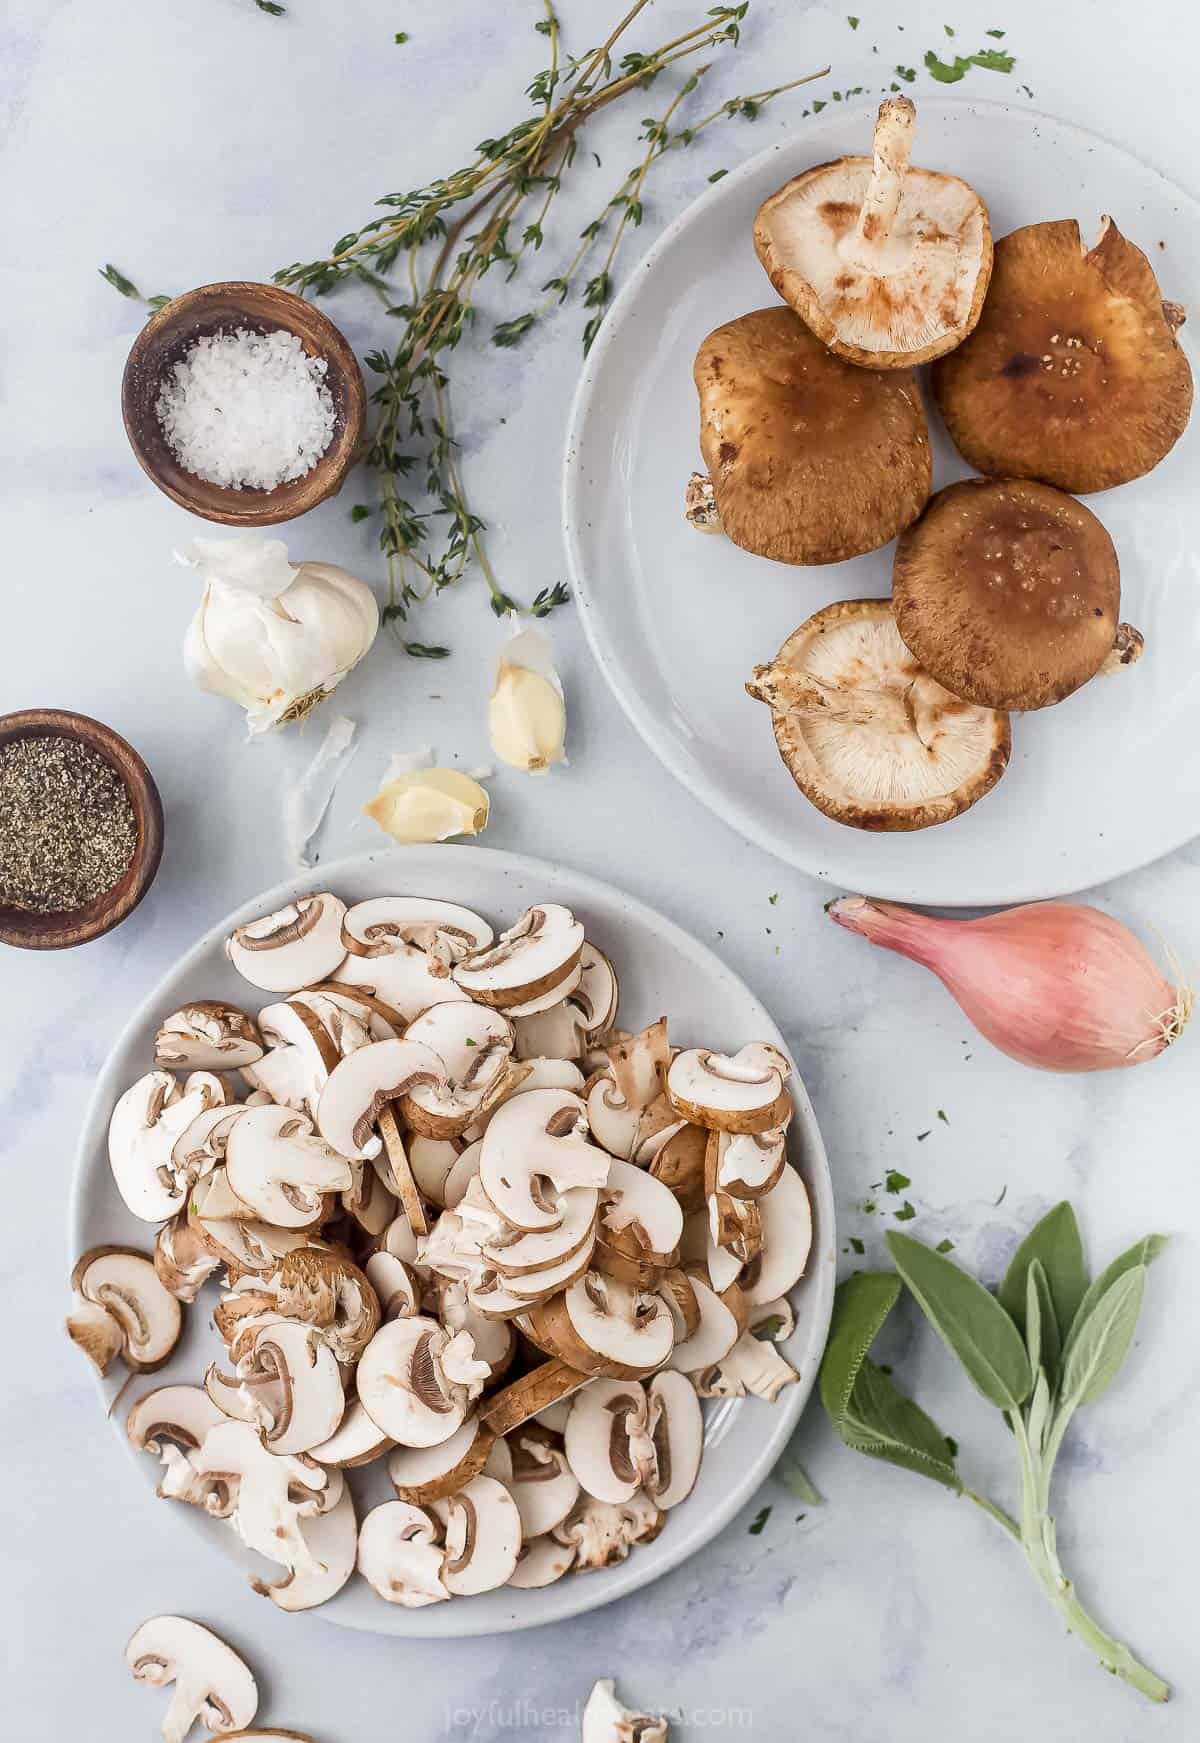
<point x="527" y="717"/>
<point x="273" y="636"/>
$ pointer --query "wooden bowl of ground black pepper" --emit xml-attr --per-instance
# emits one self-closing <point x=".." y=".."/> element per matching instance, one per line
<point x="82" y="818"/>
<point x="241" y="306"/>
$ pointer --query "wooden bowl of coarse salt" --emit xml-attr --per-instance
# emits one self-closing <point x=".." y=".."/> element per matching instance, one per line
<point x="243" y="403"/>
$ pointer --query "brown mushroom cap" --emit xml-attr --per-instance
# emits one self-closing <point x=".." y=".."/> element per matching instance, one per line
<point x="887" y="264"/>
<point x="868" y="736"/>
<point x="1007" y="592"/>
<point x="1074" y="374"/>
<point x="811" y="460"/>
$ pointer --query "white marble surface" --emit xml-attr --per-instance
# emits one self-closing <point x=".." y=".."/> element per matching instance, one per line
<point x="206" y="140"/>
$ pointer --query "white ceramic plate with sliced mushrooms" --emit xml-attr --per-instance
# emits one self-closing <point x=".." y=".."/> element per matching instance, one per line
<point x="256" y="1183"/>
<point x="1095" y="786"/>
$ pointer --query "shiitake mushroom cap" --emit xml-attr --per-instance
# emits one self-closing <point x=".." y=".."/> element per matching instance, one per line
<point x="811" y="460"/>
<point x="1008" y="592"/>
<point x="1074" y="374"/>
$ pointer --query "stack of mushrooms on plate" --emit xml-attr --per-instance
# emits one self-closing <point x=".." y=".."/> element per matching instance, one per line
<point x="464" y="1229"/>
<point x="1057" y="371"/>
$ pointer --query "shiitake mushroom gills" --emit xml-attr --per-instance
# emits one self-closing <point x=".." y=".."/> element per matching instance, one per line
<point x="810" y="460"/>
<point x="1074" y="374"/>
<point x="886" y="263"/>
<point x="1008" y="593"/>
<point x="871" y="739"/>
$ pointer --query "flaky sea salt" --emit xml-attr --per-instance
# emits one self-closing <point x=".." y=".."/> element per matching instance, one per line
<point x="247" y="410"/>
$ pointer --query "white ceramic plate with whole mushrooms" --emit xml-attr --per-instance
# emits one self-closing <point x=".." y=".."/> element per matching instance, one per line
<point x="1095" y="785"/>
<point x="360" y="1398"/>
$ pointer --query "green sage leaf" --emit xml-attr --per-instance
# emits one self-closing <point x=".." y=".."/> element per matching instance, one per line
<point x="1040" y="1308"/>
<point x="1056" y="1242"/>
<point x="968" y="1319"/>
<point x="860" y="1306"/>
<point x="1097" y="1353"/>
<point x="882" y="1423"/>
<point x="1143" y="1252"/>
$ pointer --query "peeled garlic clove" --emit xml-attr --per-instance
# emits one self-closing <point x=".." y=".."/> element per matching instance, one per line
<point x="527" y="716"/>
<point x="430" y="805"/>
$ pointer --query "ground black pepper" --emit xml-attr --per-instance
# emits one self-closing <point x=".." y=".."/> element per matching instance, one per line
<point x="67" y="828"/>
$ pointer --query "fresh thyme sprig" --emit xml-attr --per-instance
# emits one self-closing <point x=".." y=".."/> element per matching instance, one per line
<point x="443" y="239"/>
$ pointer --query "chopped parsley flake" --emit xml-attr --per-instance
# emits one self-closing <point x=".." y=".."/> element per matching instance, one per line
<point x="894" y="1181"/>
<point x="946" y="1246"/>
<point x="905" y="1214"/>
<point x="856" y="1245"/>
<point x="759" y="1522"/>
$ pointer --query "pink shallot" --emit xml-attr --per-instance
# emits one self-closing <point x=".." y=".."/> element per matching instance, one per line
<point x="1053" y="984"/>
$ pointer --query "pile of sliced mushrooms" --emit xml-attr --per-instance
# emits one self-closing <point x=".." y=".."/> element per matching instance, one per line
<point x="460" y="1222"/>
<point x="1056" y="368"/>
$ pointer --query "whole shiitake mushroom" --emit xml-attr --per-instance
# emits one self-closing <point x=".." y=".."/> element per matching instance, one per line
<point x="809" y="459"/>
<point x="1074" y="374"/>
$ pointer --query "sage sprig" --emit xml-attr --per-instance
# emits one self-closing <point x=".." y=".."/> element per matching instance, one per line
<point x="1045" y="1344"/>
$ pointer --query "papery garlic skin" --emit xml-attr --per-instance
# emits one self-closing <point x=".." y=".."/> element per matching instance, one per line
<point x="430" y="805"/>
<point x="276" y="650"/>
<point x="527" y="715"/>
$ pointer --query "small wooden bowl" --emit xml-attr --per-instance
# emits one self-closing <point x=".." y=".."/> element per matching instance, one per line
<point x="263" y="308"/>
<point x="31" y="931"/>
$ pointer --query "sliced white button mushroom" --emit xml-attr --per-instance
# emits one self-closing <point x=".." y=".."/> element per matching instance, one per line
<point x="713" y="1338"/>
<point x="639" y="1216"/>
<point x="677" y="1290"/>
<point x="356" y="1441"/>
<point x="369" y="1203"/>
<point x="605" y="1720"/>
<point x="722" y="1264"/>
<point x="276" y="1164"/>
<point x="363" y="1084"/>
<point x="555" y="1033"/>
<point x="284" y="1075"/>
<point x="382" y="1021"/>
<point x="638" y="1065"/>
<point x="171" y="1423"/>
<point x="423" y="1474"/>
<point x="532" y="1394"/>
<point x="624" y="1130"/>
<point x="461" y="1174"/>
<point x="331" y="1538"/>
<point x="531" y="959"/>
<point x="741" y="1092"/>
<point x="201" y="1145"/>
<point x="416" y="1383"/>
<point x="676" y="1426"/>
<point x="184" y="1265"/>
<point x="292" y="948"/>
<point x="146" y="1122"/>
<point x="607" y="1439"/>
<point x="207" y="1035"/>
<point x="542" y="1561"/>
<point x="746" y="1164"/>
<point x="534" y="1149"/>
<point x="399" y="1555"/>
<point x="542" y="1483"/>
<point x="678" y="1161"/>
<point x="212" y="1684"/>
<point x="735" y="1225"/>
<point x="443" y="930"/>
<point x="474" y="1044"/>
<point x="313" y="1035"/>
<point x="602" y="1534"/>
<point x="401" y="949"/>
<point x="399" y="1240"/>
<point x="122" y="1309"/>
<point x="482" y="1531"/>
<point x="395" y="1285"/>
<point x="515" y="1251"/>
<point x="551" y="996"/>
<point x="245" y="1246"/>
<point x="298" y="1375"/>
<point x="324" y="1288"/>
<point x="753" y="1365"/>
<point x="431" y="1160"/>
<point x="495" y="1341"/>
<point x="274" y="1491"/>
<point x="603" y="1326"/>
<point x="787" y="1237"/>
